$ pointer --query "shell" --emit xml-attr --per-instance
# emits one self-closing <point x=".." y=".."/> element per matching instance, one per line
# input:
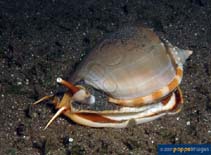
<point x="140" y="74"/>
<point x="132" y="63"/>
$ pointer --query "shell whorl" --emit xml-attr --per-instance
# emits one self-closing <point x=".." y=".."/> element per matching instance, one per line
<point x="178" y="55"/>
<point x="181" y="55"/>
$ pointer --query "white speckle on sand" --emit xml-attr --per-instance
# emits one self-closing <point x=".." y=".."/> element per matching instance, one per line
<point x="27" y="81"/>
<point x="19" y="83"/>
<point x="70" y="140"/>
<point x="188" y="123"/>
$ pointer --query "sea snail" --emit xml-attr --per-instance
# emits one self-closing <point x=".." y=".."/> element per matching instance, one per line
<point x="138" y="73"/>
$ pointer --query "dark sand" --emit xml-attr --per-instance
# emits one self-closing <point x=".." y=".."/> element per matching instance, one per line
<point x="41" y="40"/>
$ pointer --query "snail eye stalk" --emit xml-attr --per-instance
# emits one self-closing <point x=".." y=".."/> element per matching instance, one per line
<point x="68" y="84"/>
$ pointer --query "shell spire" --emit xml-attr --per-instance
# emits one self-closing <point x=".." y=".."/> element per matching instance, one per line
<point x="179" y="55"/>
<point x="183" y="55"/>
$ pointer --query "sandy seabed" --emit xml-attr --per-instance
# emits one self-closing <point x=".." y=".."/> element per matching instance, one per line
<point x="41" y="40"/>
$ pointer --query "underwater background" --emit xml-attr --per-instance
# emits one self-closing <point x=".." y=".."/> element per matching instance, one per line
<point x="41" y="40"/>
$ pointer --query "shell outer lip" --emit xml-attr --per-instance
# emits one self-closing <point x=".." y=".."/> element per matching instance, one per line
<point x="155" y="95"/>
